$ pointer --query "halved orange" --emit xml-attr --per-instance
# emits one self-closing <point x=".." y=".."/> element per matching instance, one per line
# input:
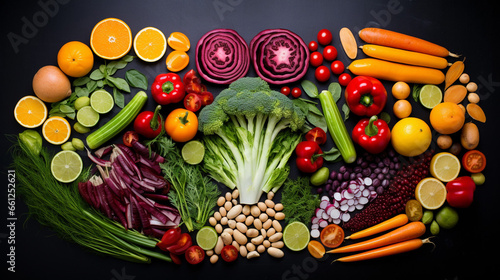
<point x="56" y="130"/>
<point x="150" y="44"/>
<point x="111" y="38"/>
<point x="30" y="111"/>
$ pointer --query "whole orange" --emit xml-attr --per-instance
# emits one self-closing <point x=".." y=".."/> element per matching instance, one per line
<point x="447" y="118"/>
<point x="75" y="59"/>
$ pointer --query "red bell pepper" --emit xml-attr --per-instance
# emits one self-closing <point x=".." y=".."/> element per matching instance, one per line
<point x="372" y="134"/>
<point x="365" y="96"/>
<point x="309" y="157"/>
<point x="149" y="124"/>
<point x="168" y="88"/>
<point x="170" y="237"/>
<point x="460" y="192"/>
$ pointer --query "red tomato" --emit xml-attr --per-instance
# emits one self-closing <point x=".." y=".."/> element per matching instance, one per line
<point x="229" y="253"/>
<point x="194" y="254"/>
<point x="129" y="137"/>
<point x="175" y="259"/>
<point x="474" y="161"/>
<point x="330" y="53"/>
<point x="313" y="46"/>
<point x="192" y="102"/>
<point x="332" y="236"/>
<point x="296" y="92"/>
<point x="206" y="98"/>
<point x="285" y="90"/>
<point x="316" y="59"/>
<point x="317" y="135"/>
<point x="322" y="73"/>
<point x="170" y="237"/>
<point x="325" y="37"/>
<point x="181" y="245"/>
<point x="337" y="67"/>
<point x="344" y="79"/>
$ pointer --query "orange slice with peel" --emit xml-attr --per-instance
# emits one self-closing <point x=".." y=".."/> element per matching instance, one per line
<point x="56" y="130"/>
<point x="30" y="111"/>
<point x="150" y="44"/>
<point x="111" y="38"/>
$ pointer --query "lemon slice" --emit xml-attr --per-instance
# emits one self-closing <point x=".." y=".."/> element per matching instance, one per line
<point x="66" y="166"/>
<point x="101" y="101"/>
<point x="87" y="116"/>
<point x="445" y="166"/>
<point x="193" y="152"/>
<point x="430" y="96"/>
<point x="431" y="193"/>
<point x="207" y="237"/>
<point x="296" y="236"/>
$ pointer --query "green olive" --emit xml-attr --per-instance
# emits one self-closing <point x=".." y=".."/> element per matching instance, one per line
<point x="478" y="178"/>
<point x="320" y="176"/>
<point x="427" y="217"/>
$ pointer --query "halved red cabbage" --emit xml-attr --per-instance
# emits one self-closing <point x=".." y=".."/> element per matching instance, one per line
<point x="279" y="56"/>
<point x="222" y="56"/>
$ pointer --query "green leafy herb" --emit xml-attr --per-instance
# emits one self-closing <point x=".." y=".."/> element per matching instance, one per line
<point x="335" y="90"/>
<point x="64" y="108"/>
<point x="136" y="79"/>
<point x="313" y="115"/>
<point x="310" y="88"/>
<point x="346" y="111"/>
<point x="332" y="155"/>
<point x="298" y="201"/>
<point x="415" y="93"/>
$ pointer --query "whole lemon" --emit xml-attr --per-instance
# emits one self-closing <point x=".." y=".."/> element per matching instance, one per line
<point x="411" y="136"/>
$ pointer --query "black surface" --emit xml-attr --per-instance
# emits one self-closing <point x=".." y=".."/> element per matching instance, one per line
<point x="468" y="251"/>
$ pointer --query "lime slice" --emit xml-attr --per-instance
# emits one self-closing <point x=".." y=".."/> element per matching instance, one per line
<point x="87" y="116"/>
<point x="66" y="166"/>
<point x="207" y="238"/>
<point x="101" y="101"/>
<point x="296" y="236"/>
<point x="193" y="152"/>
<point x="430" y="96"/>
<point x="81" y="102"/>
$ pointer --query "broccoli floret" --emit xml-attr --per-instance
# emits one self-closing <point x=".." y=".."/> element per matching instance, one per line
<point x="248" y="83"/>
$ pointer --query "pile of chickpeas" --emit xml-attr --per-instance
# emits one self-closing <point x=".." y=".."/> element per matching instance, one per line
<point x="251" y="229"/>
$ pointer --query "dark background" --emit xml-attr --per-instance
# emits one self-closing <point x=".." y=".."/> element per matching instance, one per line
<point x="468" y="251"/>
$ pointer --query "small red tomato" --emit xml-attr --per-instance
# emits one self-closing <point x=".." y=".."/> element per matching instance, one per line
<point x="285" y="90"/>
<point x="296" y="92"/>
<point x="344" y="79"/>
<point x="316" y="59"/>
<point x="337" y="67"/>
<point x="313" y="46"/>
<point x="317" y="135"/>
<point x="206" y="98"/>
<point x="170" y="237"/>
<point x="175" y="259"/>
<point x="325" y="37"/>
<point x="181" y="245"/>
<point x="129" y="137"/>
<point x="330" y="53"/>
<point x="322" y="73"/>
<point x="194" y="254"/>
<point x="192" y="102"/>
<point x="474" y="161"/>
<point x="229" y="253"/>
<point x="332" y="236"/>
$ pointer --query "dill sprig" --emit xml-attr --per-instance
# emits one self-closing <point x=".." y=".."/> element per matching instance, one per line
<point x="298" y="201"/>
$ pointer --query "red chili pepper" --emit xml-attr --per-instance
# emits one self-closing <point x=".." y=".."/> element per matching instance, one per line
<point x="365" y="96"/>
<point x="309" y="157"/>
<point x="167" y="88"/>
<point x="460" y="192"/>
<point x="372" y="134"/>
<point x="149" y="124"/>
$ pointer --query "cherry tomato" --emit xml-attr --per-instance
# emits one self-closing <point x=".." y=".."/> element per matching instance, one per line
<point x="285" y="90"/>
<point x="181" y="245"/>
<point x="313" y="46"/>
<point x="192" y="102"/>
<point x="474" y="161"/>
<point x="337" y="67"/>
<point x="330" y="53"/>
<point x="229" y="253"/>
<point x="316" y="59"/>
<point x="325" y="37"/>
<point x="317" y="135"/>
<point x="296" y="92"/>
<point x="332" y="236"/>
<point x="192" y="83"/>
<point x="129" y="137"/>
<point x="194" y="254"/>
<point x="175" y="259"/>
<point x="322" y="73"/>
<point x="344" y="79"/>
<point x="206" y="98"/>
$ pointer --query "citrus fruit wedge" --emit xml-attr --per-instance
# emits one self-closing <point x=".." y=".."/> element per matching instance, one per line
<point x="431" y="193"/>
<point x="30" y="111"/>
<point x="445" y="166"/>
<point x="87" y="116"/>
<point x="296" y="236"/>
<point x="179" y="41"/>
<point x="150" y="44"/>
<point x="111" y="38"/>
<point x="56" y="130"/>
<point x="193" y="152"/>
<point x="66" y="166"/>
<point x="206" y="238"/>
<point x="101" y="101"/>
<point x="430" y="96"/>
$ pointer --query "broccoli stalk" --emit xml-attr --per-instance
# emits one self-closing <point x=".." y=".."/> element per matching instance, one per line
<point x="250" y="133"/>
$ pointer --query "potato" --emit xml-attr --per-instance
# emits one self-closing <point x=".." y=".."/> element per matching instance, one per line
<point x="470" y="136"/>
<point x="444" y="141"/>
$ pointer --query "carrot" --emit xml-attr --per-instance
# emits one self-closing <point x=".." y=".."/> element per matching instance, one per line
<point x="393" y="249"/>
<point x="406" y="232"/>
<point x="402" y="41"/>
<point x="348" y="42"/>
<point x="403" y="56"/>
<point x="396" y="72"/>
<point x="391" y="223"/>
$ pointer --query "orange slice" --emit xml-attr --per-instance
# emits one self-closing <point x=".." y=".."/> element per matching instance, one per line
<point x="30" y="111"/>
<point x="179" y="41"/>
<point x="56" y="130"/>
<point x="111" y="38"/>
<point x="150" y="44"/>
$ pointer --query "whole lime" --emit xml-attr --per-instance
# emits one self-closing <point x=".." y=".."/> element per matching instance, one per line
<point x="447" y="217"/>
